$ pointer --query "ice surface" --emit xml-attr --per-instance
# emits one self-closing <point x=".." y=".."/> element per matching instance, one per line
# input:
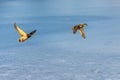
<point x="54" y="53"/>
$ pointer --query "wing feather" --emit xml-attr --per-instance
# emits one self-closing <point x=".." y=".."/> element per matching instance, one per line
<point x="82" y="32"/>
<point x="31" y="33"/>
<point x="20" y="31"/>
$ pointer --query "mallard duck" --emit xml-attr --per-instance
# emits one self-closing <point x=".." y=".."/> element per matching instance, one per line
<point x="24" y="35"/>
<point x="80" y="28"/>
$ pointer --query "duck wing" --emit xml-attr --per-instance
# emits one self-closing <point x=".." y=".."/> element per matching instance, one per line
<point x="20" y="31"/>
<point x="82" y="32"/>
<point x="31" y="33"/>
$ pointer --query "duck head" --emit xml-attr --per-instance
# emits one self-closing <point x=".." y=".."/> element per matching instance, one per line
<point x="21" y="40"/>
<point x="75" y="28"/>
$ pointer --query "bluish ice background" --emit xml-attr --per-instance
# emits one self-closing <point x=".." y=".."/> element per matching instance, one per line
<point x="54" y="53"/>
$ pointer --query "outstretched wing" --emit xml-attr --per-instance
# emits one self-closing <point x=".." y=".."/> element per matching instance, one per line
<point x="82" y="32"/>
<point x="20" y="31"/>
<point x="31" y="33"/>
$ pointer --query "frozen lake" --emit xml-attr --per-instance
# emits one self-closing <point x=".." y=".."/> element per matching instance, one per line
<point x="54" y="53"/>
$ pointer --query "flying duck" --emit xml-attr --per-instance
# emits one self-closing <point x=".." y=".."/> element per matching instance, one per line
<point x="24" y="35"/>
<point x="80" y="28"/>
